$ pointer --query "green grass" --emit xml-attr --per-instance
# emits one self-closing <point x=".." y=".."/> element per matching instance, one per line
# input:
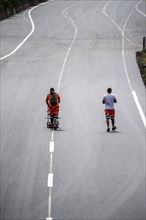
<point x="141" y="61"/>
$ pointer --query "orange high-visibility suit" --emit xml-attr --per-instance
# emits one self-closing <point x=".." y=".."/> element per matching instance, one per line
<point x="53" y="109"/>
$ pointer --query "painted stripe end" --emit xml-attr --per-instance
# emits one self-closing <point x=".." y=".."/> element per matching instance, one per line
<point x="51" y="146"/>
<point x="50" y="180"/>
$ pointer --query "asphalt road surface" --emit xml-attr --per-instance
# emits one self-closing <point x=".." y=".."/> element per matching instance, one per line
<point x="80" y="171"/>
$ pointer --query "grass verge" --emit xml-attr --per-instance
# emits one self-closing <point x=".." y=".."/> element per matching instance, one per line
<point x="141" y="61"/>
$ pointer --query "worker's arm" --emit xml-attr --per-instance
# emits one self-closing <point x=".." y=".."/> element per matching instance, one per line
<point x="58" y="98"/>
<point x="115" y="100"/>
<point x="47" y="100"/>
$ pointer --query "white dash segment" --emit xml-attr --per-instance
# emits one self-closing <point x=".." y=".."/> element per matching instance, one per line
<point x="139" y="108"/>
<point x="52" y="136"/>
<point x="50" y="180"/>
<point x="52" y="146"/>
<point x="49" y="218"/>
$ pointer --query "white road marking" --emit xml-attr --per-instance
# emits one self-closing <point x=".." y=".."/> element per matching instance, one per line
<point x="48" y="218"/>
<point x="52" y="135"/>
<point x="138" y="45"/>
<point x="49" y="203"/>
<point x="64" y="12"/>
<point x="52" y="146"/>
<point x="139" y="9"/>
<point x="51" y="162"/>
<point x="26" y="38"/>
<point x="139" y="107"/>
<point x="104" y="11"/>
<point x="50" y="184"/>
<point x="123" y="49"/>
<point x="25" y="17"/>
<point x="50" y="175"/>
<point x="50" y="180"/>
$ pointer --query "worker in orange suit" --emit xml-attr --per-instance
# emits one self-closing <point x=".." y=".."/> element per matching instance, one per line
<point x="53" y="101"/>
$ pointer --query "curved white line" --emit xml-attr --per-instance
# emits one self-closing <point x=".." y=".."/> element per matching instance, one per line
<point x="124" y="63"/>
<point x="138" y="45"/>
<point x="139" y="9"/>
<point x="105" y="13"/>
<point x="65" y="14"/>
<point x="25" y="17"/>
<point x="26" y="38"/>
<point x="50" y="179"/>
<point x="123" y="49"/>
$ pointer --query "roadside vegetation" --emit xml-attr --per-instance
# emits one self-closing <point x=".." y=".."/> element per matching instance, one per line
<point x="141" y="61"/>
<point x="11" y="7"/>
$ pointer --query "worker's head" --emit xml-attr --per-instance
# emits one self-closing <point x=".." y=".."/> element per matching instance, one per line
<point x="52" y="90"/>
<point x="109" y="90"/>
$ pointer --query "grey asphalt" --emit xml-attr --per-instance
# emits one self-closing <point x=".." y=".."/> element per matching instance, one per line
<point x="97" y="175"/>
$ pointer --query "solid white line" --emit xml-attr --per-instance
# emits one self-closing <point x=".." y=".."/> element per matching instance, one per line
<point x="26" y="38"/>
<point x="138" y="45"/>
<point x="25" y="17"/>
<point x="139" y="108"/>
<point x="50" y="180"/>
<point x="105" y="13"/>
<point x="133" y="92"/>
<point x="64" y="12"/>
<point x="123" y="49"/>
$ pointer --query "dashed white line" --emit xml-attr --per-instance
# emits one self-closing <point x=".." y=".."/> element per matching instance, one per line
<point x="48" y="218"/>
<point x="49" y="204"/>
<point x="52" y="146"/>
<point x="50" y="180"/>
<point x="139" y="108"/>
<point x="52" y="136"/>
<point x="50" y="175"/>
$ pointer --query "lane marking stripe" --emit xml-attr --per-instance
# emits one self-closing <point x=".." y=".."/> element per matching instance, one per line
<point x="139" y="9"/>
<point x="64" y="12"/>
<point x="104" y="11"/>
<point x="50" y="176"/>
<point x="52" y="146"/>
<point x="52" y="136"/>
<point x="26" y="38"/>
<point x="139" y="108"/>
<point x="50" y="180"/>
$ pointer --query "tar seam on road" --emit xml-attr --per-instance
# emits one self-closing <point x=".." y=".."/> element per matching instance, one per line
<point x="104" y="11"/>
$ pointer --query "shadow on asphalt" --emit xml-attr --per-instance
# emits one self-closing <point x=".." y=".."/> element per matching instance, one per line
<point x="114" y="132"/>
